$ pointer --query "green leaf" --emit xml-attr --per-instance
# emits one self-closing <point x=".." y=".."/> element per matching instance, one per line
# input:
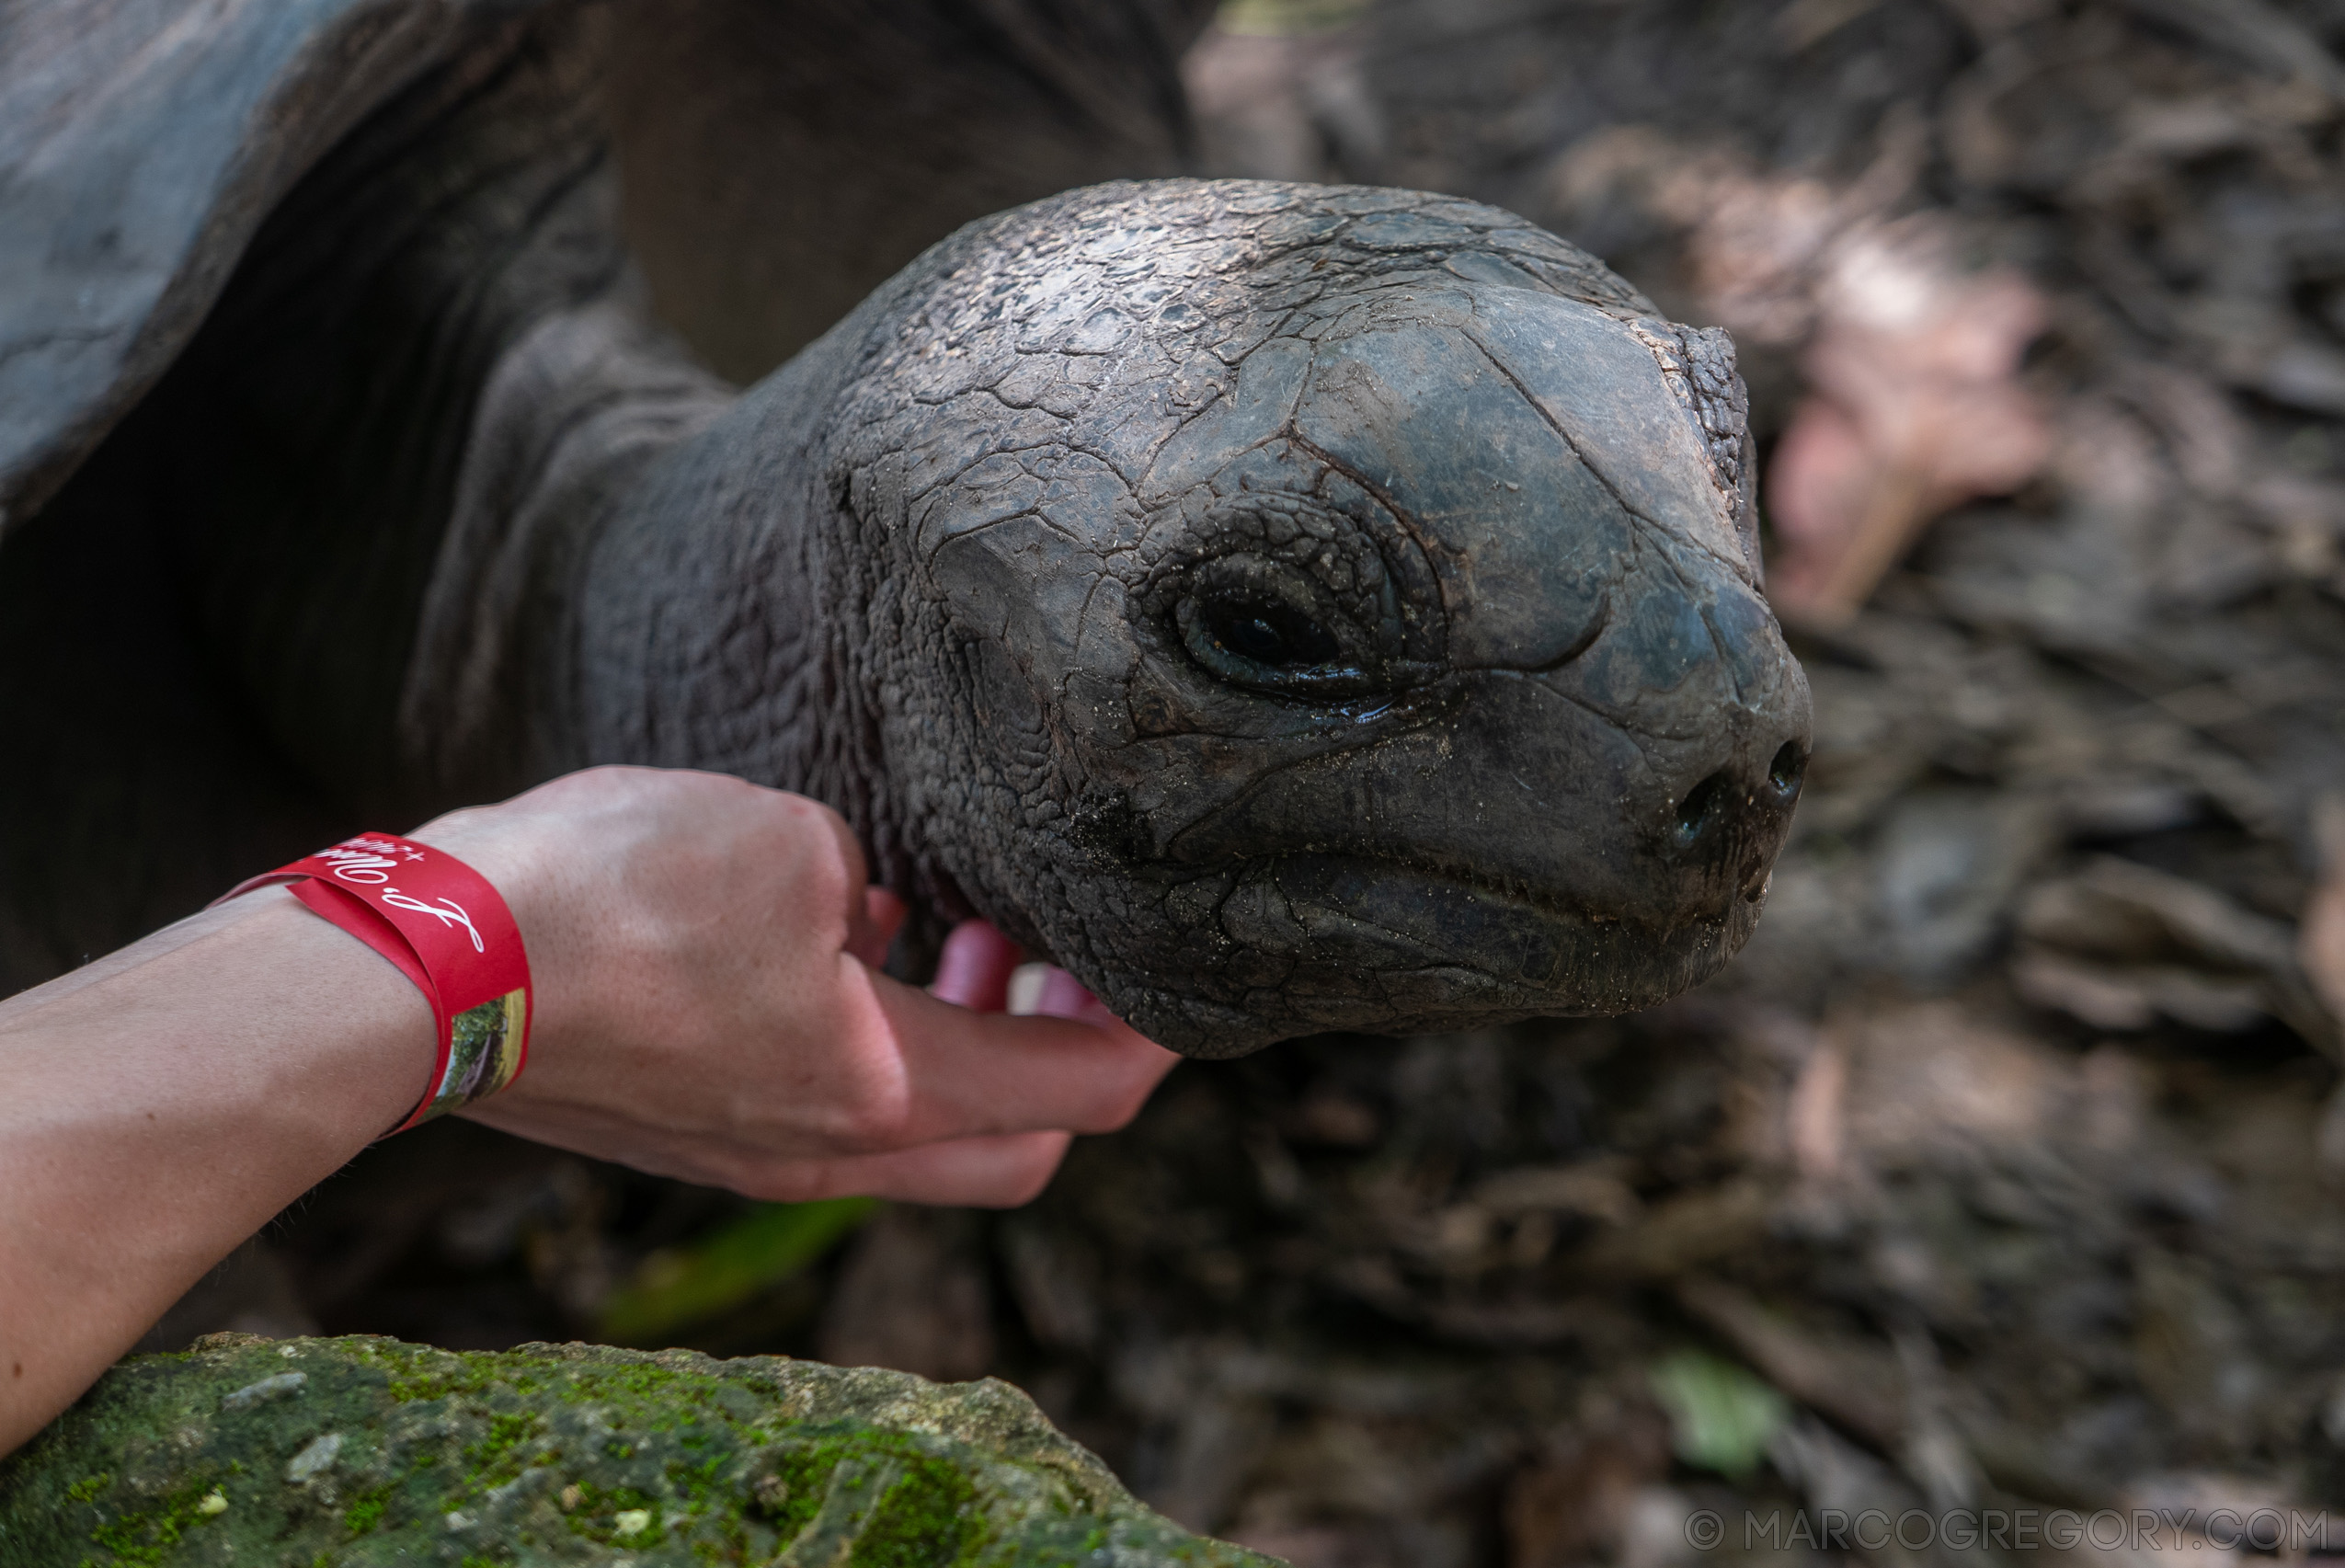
<point x="1722" y="1415"/>
<point x="1276" y="19"/>
<point x="729" y="1266"/>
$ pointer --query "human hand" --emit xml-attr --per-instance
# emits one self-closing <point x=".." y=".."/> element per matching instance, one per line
<point x="706" y="960"/>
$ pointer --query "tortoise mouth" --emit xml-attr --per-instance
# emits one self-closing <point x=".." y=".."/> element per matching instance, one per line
<point x="1385" y="945"/>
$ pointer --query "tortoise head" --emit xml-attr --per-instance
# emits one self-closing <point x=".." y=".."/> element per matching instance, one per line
<point x="1345" y="610"/>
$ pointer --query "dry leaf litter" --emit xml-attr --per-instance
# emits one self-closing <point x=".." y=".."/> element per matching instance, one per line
<point x="2006" y="1169"/>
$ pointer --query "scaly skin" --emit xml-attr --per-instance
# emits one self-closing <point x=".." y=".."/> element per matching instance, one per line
<point x="956" y="570"/>
<point x="427" y="512"/>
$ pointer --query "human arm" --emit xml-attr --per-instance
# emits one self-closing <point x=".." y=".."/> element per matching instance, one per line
<point x="709" y="1007"/>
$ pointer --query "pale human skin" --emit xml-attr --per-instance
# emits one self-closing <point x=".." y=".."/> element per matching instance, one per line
<point x="704" y="956"/>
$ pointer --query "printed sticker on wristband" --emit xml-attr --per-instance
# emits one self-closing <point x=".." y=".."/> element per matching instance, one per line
<point x="445" y="928"/>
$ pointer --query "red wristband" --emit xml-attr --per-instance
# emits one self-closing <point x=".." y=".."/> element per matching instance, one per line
<point x="447" y="929"/>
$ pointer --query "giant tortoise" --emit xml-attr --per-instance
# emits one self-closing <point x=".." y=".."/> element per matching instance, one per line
<point x="1288" y="607"/>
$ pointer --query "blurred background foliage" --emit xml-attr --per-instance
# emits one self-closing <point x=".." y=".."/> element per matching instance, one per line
<point x="2006" y="1167"/>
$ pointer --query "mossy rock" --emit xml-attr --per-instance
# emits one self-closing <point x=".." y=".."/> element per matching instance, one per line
<point x="317" y="1452"/>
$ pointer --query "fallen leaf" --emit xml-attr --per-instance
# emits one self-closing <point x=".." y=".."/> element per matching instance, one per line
<point x="1916" y="407"/>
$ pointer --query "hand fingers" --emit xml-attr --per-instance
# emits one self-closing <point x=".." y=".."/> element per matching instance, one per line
<point x="985" y="1173"/>
<point x="1063" y="996"/>
<point x="874" y="914"/>
<point x="975" y="968"/>
<point x="883" y="917"/>
<point x="980" y="1073"/>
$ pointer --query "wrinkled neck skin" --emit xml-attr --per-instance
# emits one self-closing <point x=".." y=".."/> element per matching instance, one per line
<point x="643" y="567"/>
<point x="1290" y="609"/>
<point x="646" y="567"/>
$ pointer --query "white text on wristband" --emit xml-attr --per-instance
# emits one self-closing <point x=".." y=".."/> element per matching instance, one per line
<point x="447" y="929"/>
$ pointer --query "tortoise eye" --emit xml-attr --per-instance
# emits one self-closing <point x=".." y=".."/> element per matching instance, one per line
<point x="1267" y="633"/>
<point x="1273" y="626"/>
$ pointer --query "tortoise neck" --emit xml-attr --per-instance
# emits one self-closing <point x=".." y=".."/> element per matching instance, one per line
<point x="721" y="610"/>
<point x="644" y="567"/>
<point x="513" y="659"/>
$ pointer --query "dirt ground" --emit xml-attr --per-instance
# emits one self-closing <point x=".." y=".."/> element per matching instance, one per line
<point x="2004" y="1170"/>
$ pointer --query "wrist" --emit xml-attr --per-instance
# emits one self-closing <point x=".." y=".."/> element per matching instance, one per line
<point x="495" y="841"/>
<point x="446" y="929"/>
<point x="261" y="960"/>
<point x="163" y="1104"/>
<point x="356" y="1045"/>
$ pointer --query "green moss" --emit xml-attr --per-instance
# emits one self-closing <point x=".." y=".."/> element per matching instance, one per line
<point x="595" y="1515"/>
<point x="561" y="1456"/>
<point x="506" y="1451"/>
<point x="365" y="1513"/>
<point x="925" y="1520"/>
<point x="146" y="1538"/>
<point x="805" y="1473"/>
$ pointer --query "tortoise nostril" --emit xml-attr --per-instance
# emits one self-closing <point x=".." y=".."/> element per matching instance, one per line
<point x="1783" y="773"/>
<point x="1700" y="807"/>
